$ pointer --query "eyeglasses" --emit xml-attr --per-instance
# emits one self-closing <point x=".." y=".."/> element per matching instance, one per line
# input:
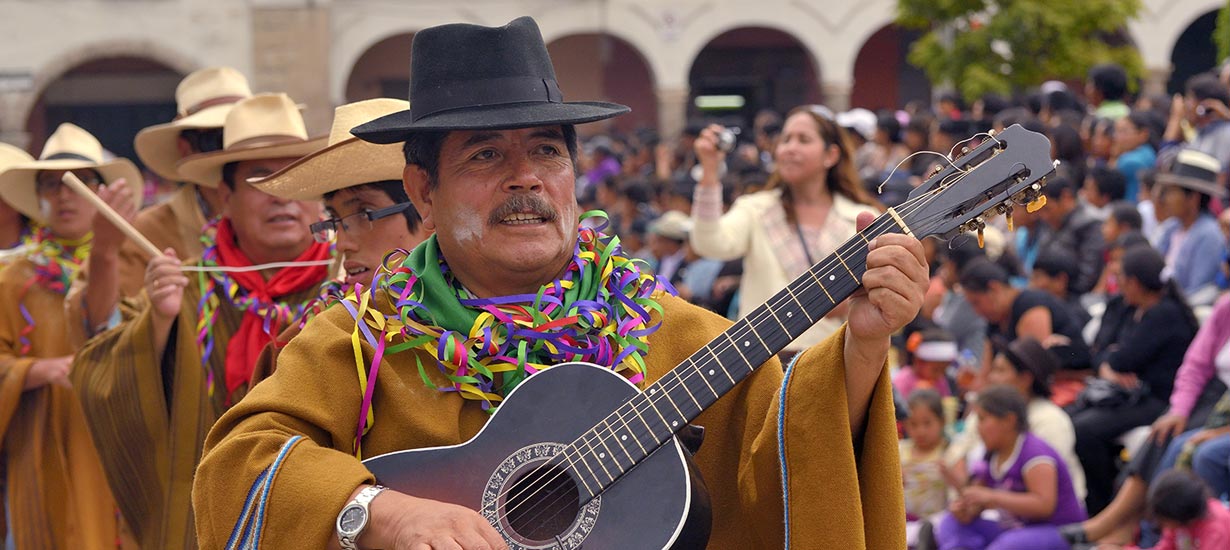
<point x="49" y="182"/>
<point x="360" y="222"/>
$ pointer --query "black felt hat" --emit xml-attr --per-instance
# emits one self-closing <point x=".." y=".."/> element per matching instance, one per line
<point x="470" y="77"/>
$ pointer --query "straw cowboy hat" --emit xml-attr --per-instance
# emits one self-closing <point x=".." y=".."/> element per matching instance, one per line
<point x="1194" y="170"/>
<point x="202" y="100"/>
<point x="469" y="77"/>
<point x="346" y="162"/>
<point x="69" y="148"/>
<point x="264" y="126"/>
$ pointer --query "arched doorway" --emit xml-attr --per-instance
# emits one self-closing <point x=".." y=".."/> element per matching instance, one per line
<point x="749" y="69"/>
<point x="382" y="71"/>
<point x="601" y="67"/>
<point x="883" y="78"/>
<point x="111" y="97"/>
<point x="1194" y="52"/>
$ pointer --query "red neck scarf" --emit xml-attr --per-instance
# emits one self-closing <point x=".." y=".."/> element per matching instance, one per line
<point x="264" y="310"/>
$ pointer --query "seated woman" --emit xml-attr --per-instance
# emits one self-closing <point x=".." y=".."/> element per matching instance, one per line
<point x="1020" y="493"/>
<point x="1012" y="313"/>
<point x="1201" y="379"/>
<point x="1138" y="366"/>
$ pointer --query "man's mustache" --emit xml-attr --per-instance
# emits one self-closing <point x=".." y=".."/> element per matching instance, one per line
<point x="523" y="204"/>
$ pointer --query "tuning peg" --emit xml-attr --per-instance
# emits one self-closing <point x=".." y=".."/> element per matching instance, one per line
<point x="1036" y="205"/>
<point x="1008" y="218"/>
<point x="981" y="241"/>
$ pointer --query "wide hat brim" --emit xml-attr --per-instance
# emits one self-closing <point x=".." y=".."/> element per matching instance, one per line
<point x="1195" y="184"/>
<point x="158" y="146"/>
<point x="397" y="126"/>
<point x="18" y="183"/>
<point x="344" y="164"/>
<point x="206" y="169"/>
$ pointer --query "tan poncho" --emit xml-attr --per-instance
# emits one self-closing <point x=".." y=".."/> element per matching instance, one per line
<point x="838" y="497"/>
<point x="57" y="495"/>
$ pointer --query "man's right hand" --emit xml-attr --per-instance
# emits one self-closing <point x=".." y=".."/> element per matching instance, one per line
<point x="53" y="370"/>
<point x="165" y="283"/>
<point x="1168" y="426"/>
<point x="402" y="522"/>
<point x="108" y="237"/>
<point x="707" y="152"/>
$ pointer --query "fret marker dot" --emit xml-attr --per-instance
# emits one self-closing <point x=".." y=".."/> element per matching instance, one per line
<point x="746" y="343"/>
<point x="675" y="424"/>
<point x="624" y="438"/>
<point x="789" y="314"/>
<point x="832" y="277"/>
<point x="601" y="455"/>
<point x="710" y="372"/>
<point x="653" y="391"/>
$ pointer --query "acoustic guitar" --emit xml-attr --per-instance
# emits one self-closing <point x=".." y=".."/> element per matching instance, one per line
<point x="605" y="454"/>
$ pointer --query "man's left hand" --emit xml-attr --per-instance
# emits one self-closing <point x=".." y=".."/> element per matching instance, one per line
<point x="893" y="286"/>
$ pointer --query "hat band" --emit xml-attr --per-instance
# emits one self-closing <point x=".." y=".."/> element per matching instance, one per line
<point x="220" y="100"/>
<point x="484" y="92"/>
<point x="264" y="141"/>
<point x="1195" y="172"/>
<point x="69" y="156"/>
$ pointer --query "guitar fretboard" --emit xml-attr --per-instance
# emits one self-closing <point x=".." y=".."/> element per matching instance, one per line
<point x="602" y="454"/>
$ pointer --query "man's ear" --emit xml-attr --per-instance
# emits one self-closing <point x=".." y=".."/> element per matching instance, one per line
<point x="224" y="193"/>
<point x="416" y="183"/>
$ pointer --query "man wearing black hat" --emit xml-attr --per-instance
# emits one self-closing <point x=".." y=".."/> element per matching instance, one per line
<point x="499" y="293"/>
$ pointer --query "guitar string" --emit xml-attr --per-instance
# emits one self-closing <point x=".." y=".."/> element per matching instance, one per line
<point x="832" y="263"/>
<point x="681" y="380"/>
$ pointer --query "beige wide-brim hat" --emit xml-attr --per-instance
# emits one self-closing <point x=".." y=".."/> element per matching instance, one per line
<point x="69" y="148"/>
<point x="264" y="126"/>
<point x="9" y="156"/>
<point x="202" y="101"/>
<point x="346" y="162"/>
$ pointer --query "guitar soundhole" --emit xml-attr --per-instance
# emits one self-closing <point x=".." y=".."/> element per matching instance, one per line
<point x="543" y="503"/>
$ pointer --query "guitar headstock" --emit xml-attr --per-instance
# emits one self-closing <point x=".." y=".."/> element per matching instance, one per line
<point x="1006" y="171"/>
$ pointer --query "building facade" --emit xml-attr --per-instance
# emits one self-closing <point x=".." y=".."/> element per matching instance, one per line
<point x="112" y="65"/>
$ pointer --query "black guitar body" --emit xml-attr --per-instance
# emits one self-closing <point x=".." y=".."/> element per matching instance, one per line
<point x="659" y="503"/>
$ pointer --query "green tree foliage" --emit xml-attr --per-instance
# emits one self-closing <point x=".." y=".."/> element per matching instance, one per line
<point x="980" y="46"/>
<point x="1221" y="34"/>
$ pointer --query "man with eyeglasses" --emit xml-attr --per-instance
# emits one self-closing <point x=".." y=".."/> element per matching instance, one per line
<point x="153" y="386"/>
<point x="370" y="215"/>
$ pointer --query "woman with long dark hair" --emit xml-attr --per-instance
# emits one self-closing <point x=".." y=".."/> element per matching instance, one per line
<point x="1137" y="368"/>
<point x="809" y="208"/>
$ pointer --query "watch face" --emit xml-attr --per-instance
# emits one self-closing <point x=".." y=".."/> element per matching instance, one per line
<point x="352" y="519"/>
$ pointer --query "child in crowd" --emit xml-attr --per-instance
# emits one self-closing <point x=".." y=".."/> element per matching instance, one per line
<point x="931" y="352"/>
<point x="1190" y="519"/>
<point x="1019" y="494"/>
<point x="926" y="494"/>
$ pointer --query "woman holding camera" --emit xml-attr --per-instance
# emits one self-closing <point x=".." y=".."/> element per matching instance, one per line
<point x="809" y="209"/>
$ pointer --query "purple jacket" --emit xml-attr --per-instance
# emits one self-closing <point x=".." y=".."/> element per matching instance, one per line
<point x="1198" y="368"/>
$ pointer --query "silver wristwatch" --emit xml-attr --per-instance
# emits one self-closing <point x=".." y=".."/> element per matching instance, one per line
<point x="354" y="517"/>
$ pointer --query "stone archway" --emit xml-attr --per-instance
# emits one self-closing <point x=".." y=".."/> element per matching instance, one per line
<point x="112" y="97"/>
<point x="1193" y="52"/>
<point x="603" y="67"/>
<point x="766" y="67"/>
<point x="883" y="78"/>
<point x="383" y="70"/>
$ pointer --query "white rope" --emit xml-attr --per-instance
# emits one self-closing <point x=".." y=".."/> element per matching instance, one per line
<point x="258" y="267"/>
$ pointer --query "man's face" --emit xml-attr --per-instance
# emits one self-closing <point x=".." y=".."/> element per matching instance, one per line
<point x="69" y="215"/>
<point x="1056" y="286"/>
<point x="505" y="201"/>
<point x="363" y="243"/>
<point x="1173" y="200"/>
<point x="986" y="304"/>
<point x="267" y="226"/>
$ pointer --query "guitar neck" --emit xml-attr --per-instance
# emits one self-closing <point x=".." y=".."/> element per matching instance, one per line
<point x="654" y="416"/>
